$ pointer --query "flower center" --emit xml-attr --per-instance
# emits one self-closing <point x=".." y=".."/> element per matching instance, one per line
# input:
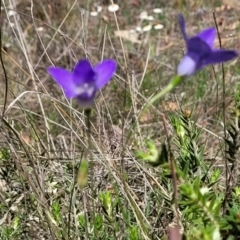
<point x="186" y="67"/>
<point x="86" y="89"/>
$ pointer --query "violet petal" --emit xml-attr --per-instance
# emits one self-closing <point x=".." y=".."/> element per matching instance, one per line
<point x="182" y="25"/>
<point x="198" y="50"/>
<point x="64" y="79"/>
<point x="208" y="35"/>
<point x="219" y="56"/>
<point x="83" y="73"/>
<point x="105" y="70"/>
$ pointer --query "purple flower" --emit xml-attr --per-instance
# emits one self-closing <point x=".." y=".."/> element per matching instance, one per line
<point x="84" y="81"/>
<point x="200" y="51"/>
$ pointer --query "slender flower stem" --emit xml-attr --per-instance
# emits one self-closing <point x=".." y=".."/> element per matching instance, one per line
<point x="87" y="113"/>
<point x="173" y="83"/>
<point x="90" y="164"/>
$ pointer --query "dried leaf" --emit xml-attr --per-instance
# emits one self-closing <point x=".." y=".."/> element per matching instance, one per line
<point x="129" y="35"/>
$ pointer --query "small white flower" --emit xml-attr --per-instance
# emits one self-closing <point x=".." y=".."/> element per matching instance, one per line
<point x="113" y="8"/>
<point x="143" y="15"/>
<point x="139" y="29"/>
<point x="147" y="28"/>
<point x="40" y="29"/>
<point x="158" y="27"/>
<point x="93" y="14"/>
<point x="99" y="8"/>
<point x="150" y="18"/>
<point x="157" y="10"/>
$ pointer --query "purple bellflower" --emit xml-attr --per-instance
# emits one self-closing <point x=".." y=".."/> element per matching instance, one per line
<point x="84" y="81"/>
<point x="200" y="51"/>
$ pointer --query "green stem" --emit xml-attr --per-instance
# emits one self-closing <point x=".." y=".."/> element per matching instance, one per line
<point x="173" y="83"/>
<point x="90" y="172"/>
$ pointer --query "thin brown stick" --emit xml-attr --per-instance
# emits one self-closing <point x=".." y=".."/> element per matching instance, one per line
<point x="173" y="171"/>
<point x="224" y="115"/>
<point x="3" y="66"/>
